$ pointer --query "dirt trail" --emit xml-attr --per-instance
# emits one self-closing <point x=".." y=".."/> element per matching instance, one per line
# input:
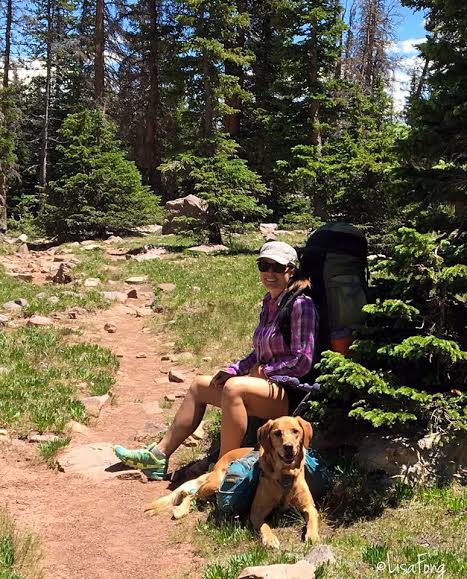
<point x="97" y="530"/>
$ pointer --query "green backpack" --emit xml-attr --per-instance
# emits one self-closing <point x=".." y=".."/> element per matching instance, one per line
<point x="335" y="259"/>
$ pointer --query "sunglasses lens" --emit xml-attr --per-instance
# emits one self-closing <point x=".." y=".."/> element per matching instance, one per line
<point x="275" y="267"/>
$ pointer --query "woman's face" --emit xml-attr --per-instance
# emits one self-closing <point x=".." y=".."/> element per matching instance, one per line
<point x="274" y="282"/>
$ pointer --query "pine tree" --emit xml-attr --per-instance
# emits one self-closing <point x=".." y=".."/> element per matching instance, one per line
<point x="434" y="158"/>
<point x="97" y="189"/>
<point x="407" y="365"/>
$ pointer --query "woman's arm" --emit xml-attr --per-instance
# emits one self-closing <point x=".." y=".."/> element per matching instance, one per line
<point x="243" y="366"/>
<point x="302" y="342"/>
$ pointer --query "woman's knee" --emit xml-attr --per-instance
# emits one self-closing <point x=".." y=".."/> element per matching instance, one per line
<point x="199" y="385"/>
<point x="233" y="388"/>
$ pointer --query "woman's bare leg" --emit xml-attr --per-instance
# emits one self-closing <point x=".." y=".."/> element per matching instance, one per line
<point x="190" y="413"/>
<point x="244" y="396"/>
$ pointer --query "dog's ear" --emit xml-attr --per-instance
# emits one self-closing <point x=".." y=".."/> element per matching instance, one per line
<point x="263" y="436"/>
<point x="307" y="431"/>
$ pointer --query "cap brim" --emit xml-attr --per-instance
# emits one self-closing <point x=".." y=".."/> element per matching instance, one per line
<point x="272" y="255"/>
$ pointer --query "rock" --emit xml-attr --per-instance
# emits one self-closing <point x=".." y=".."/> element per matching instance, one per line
<point x="141" y="355"/>
<point x="21" y="302"/>
<point x="53" y="299"/>
<point x="152" y="408"/>
<point x="4" y="435"/>
<point x="39" y="321"/>
<point x="190" y="442"/>
<point x="132" y="294"/>
<point x="152" y="253"/>
<point x="40" y="438"/>
<point x="169" y="397"/>
<point x="207" y="359"/>
<point x="111" y="328"/>
<point x="74" y="312"/>
<point x="178" y="393"/>
<point x="23" y="249"/>
<point x="92" y="247"/>
<point x="92" y="282"/>
<point x="196" y="288"/>
<point x="190" y="206"/>
<point x="62" y="275"/>
<point x="3" y="319"/>
<point x="137" y="279"/>
<point x="12" y="306"/>
<point x="22" y="238"/>
<point x="119" y="297"/>
<point x="59" y="258"/>
<point x="164" y="358"/>
<point x="321" y="554"/>
<point x="175" y="376"/>
<point x="167" y="287"/>
<point x="73" y="427"/>
<point x="94" y="404"/>
<point x="300" y="570"/>
<point x="199" y="433"/>
<point x="421" y="458"/>
<point x="113" y="239"/>
<point x="155" y="229"/>
<point x="91" y="460"/>
<point x="4" y="370"/>
<point x="208" y="249"/>
<point x="130" y="475"/>
<point x="267" y="229"/>
<point x="87" y="242"/>
<point x="41" y="296"/>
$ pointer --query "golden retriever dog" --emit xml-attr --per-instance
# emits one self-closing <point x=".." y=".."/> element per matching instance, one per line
<point x="283" y="443"/>
<point x="282" y="481"/>
<point x="201" y="488"/>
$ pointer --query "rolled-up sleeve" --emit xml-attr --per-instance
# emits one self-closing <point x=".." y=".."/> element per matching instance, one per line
<point x="243" y="366"/>
<point x="302" y="342"/>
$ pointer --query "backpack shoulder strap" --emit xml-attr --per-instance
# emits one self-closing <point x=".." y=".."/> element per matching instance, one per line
<point x="284" y="315"/>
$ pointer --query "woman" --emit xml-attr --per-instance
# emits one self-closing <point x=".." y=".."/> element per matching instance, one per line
<point x="246" y="388"/>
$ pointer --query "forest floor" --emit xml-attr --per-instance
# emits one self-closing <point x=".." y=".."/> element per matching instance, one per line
<point x="93" y="526"/>
<point x="96" y="528"/>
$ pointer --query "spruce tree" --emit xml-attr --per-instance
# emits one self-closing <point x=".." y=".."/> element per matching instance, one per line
<point x="97" y="189"/>
<point x="434" y="156"/>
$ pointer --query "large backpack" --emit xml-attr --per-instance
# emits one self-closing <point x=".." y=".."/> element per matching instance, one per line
<point x="335" y="260"/>
<point x="238" y="487"/>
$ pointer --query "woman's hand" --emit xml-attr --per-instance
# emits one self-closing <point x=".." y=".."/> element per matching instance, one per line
<point x="257" y="372"/>
<point x="219" y="379"/>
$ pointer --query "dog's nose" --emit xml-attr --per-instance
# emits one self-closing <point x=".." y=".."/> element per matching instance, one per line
<point x="288" y="448"/>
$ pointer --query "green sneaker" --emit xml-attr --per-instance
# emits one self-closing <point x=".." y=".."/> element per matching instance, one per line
<point x="153" y="466"/>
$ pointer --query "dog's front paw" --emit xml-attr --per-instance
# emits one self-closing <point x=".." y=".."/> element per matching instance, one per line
<point x="312" y="536"/>
<point x="270" y="540"/>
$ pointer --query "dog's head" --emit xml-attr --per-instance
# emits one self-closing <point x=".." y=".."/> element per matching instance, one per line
<point x="285" y="437"/>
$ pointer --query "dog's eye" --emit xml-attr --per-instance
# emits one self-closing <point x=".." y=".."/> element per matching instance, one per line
<point x="277" y="433"/>
<point x="295" y="431"/>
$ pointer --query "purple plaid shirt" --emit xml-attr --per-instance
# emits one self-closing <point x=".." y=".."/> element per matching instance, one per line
<point x="270" y="348"/>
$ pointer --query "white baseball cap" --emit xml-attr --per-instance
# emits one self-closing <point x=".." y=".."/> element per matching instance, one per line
<point x="278" y="251"/>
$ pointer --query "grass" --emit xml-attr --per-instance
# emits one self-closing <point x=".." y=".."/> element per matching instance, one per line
<point x="49" y="450"/>
<point x="45" y="374"/>
<point x="19" y="552"/>
<point x="12" y="288"/>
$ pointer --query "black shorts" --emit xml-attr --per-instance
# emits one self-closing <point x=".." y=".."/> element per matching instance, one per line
<point x="295" y="396"/>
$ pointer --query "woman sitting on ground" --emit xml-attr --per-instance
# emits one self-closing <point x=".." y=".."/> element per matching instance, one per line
<point x="245" y="388"/>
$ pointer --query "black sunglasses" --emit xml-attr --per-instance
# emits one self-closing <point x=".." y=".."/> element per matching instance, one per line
<point x="274" y="266"/>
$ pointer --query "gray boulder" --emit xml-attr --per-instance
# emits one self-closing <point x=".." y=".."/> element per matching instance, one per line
<point x="190" y="206"/>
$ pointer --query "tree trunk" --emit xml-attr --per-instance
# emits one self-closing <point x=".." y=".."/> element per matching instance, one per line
<point x="152" y="137"/>
<point x="338" y="69"/>
<point x="208" y="115"/>
<point x="48" y="83"/>
<point x="3" y="202"/>
<point x="349" y="44"/>
<point x="315" y="134"/>
<point x="422" y="79"/>
<point x="99" y="55"/>
<point x="6" y="58"/>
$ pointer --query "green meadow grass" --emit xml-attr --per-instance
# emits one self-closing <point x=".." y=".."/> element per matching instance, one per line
<point x="20" y="556"/>
<point x="11" y="288"/>
<point x="43" y="376"/>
